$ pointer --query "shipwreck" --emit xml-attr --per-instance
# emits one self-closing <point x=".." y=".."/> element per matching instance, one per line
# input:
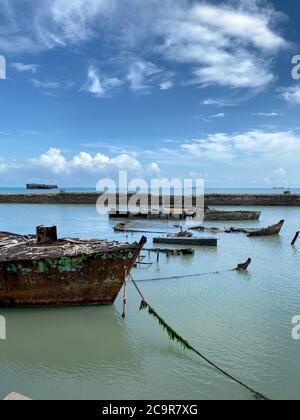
<point x="43" y="271"/>
<point x="209" y="215"/>
<point x="257" y="232"/>
<point x="41" y="187"/>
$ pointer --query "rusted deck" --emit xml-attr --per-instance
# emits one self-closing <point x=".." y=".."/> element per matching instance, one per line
<point x="67" y="272"/>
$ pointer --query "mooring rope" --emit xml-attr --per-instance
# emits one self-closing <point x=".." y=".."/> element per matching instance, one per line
<point x="187" y="276"/>
<point x="185" y="344"/>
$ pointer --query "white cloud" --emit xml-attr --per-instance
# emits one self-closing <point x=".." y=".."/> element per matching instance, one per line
<point x="93" y="84"/>
<point x="153" y="169"/>
<point x="268" y="114"/>
<point x="281" y="172"/>
<point x="100" y="87"/>
<point x="140" y="74"/>
<point x="231" y="45"/>
<point x="166" y="85"/>
<point x="63" y="21"/>
<point x="21" y="67"/>
<point x="53" y="160"/>
<point x="217" y="102"/>
<point x="219" y="41"/>
<point x="252" y="28"/>
<point x="292" y="94"/>
<point x="45" y="84"/>
<point x="247" y="148"/>
<point x="83" y="168"/>
<point x="3" y="167"/>
<point x="219" y="115"/>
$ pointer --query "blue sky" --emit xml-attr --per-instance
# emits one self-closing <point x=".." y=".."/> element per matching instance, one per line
<point x="160" y="88"/>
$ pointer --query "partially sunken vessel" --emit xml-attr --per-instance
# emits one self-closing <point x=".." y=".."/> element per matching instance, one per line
<point x="42" y="271"/>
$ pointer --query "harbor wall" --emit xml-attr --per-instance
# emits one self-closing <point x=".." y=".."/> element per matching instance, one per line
<point x="210" y="199"/>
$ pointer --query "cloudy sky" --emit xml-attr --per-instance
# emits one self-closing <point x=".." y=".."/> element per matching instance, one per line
<point x="158" y="87"/>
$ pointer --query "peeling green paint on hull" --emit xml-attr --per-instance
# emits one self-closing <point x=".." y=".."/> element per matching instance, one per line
<point x="68" y="280"/>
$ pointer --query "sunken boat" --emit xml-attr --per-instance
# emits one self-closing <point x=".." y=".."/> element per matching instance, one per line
<point x="210" y="215"/>
<point x="43" y="271"/>
<point x="41" y="186"/>
<point x="257" y="232"/>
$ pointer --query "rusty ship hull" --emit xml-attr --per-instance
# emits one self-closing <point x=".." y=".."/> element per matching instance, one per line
<point x="65" y="273"/>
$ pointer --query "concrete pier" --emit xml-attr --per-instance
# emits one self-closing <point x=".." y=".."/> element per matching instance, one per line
<point x="210" y="199"/>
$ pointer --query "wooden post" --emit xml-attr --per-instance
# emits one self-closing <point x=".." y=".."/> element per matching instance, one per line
<point x="46" y="235"/>
<point x="295" y="238"/>
<point x="158" y="255"/>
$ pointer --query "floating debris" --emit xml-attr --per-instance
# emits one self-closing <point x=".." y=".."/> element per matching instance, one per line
<point x="123" y="227"/>
<point x="205" y="229"/>
<point x="183" y="234"/>
<point x="244" y="266"/>
<point x="172" y="252"/>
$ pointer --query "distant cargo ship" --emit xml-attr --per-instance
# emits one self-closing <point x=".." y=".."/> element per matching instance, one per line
<point x="41" y="187"/>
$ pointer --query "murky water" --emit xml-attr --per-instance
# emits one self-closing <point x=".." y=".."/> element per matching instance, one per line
<point x="240" y="321"/>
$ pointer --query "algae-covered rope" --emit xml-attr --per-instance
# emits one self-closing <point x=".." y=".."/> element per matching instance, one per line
<point x="125" y="295"/>
<point x="185" y="344"/>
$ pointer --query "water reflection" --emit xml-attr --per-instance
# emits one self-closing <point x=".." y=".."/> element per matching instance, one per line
<point x="65" y="338"/>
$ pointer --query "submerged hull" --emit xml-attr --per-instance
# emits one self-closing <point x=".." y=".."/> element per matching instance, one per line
<point x="67" y="279"/>
<point x="224" y="215"/>
<point x="251" y="233"/>
<point x="210" y="215"/>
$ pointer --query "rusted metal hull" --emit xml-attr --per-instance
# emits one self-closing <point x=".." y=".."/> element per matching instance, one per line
<point x="223" y="215"/>
<point x="269" y="231"/>
<point x="210" y="215"/>
<point x="67" y="280"/>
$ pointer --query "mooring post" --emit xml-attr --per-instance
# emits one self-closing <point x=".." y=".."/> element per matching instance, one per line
<point x="158" y="255"/>
<point x="295" y="238"/>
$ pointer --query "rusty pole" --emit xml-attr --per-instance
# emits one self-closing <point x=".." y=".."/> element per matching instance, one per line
<point x="295" y="238"/>
<point x="46" y="235"/>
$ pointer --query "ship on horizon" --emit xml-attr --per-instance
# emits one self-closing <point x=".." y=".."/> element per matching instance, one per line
<point x="41" y="187"/>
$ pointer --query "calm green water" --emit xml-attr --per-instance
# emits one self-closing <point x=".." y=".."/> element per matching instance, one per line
<point x="240" y="321"/>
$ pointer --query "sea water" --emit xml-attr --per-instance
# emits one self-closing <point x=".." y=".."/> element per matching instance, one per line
<point x="241" y="321"/>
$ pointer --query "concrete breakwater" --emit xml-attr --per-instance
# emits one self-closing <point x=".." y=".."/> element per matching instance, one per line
<point x="210" y="199"/>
